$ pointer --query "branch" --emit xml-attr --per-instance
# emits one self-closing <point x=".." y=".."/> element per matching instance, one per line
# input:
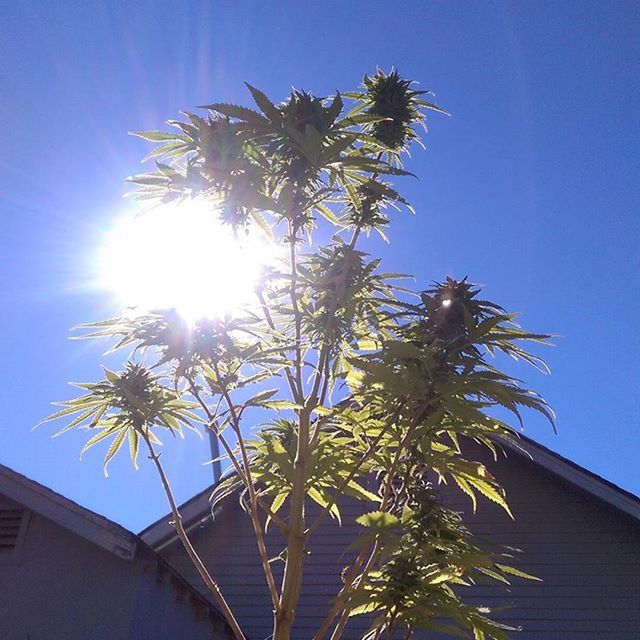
<point x="296" y="312"/>
<point x="372" y="448"/>
<point x="253" y="498"/>
<point x="213" y="426"/>
<point x="195" y="558"/>
<point x="272" y="325"/>
<point x="347" y="590"/>
<point x="342" y="595"/>
<point x="292" y="578"/>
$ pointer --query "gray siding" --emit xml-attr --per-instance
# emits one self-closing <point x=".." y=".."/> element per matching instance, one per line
<point x="586" y="552"/>
<point x="230" y="551"/>
<point x="60" y="586"/>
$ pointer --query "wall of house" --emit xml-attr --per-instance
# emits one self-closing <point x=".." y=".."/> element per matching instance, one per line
<point x="230" y="551"/>
<point x="165" y="609"/>
<point x="586" y="553"/>
<point x="59" y="586"/>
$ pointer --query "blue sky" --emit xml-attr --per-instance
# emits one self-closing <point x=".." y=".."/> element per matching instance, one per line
<point x="531" y="189"/>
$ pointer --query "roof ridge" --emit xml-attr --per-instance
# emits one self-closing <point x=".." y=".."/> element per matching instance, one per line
<point x="160" y="532"/>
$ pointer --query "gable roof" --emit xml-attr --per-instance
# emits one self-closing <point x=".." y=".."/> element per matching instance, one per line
<point x="93" y="527"/>
<point x="197" y="510"/>
<point x="596" y="485"/>
<point x="68" y="514"/>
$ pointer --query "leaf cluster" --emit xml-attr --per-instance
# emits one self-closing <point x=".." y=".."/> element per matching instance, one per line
<point x="373" y="389"/>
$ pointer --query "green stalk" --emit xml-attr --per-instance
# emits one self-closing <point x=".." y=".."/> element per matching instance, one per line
<point x="292" y="578"/>
<point x="184" y="538"/>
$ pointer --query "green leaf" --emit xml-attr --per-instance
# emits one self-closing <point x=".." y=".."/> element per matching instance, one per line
<point x="262" y="224"/>
<point x="114" y="448"/>
<point x="236" y="111"/>
<point x="81" y="418"/>
<point x="489" y="491"/>
<point x="327" y="214"/>
<point x="134" y="444"/>
<point x="277" y="503"/>
<point x="356" y="490"/>
<point x="517" y="572"/>
<point x="264" y="104"/>
<point x="321" y="498"/>
<point x="260" y="398"/>
<point x="156" y="136"/>
<point x="281" y="405"/>
<point x="464" y="485"/>
<point x="367" y="607"/>
<point x="378" y="520"/>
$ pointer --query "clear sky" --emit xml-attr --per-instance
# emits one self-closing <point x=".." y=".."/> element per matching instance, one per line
<point x="531" y="188"/>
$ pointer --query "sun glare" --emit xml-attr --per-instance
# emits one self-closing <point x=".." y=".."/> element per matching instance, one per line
<point x="183" y="257"/>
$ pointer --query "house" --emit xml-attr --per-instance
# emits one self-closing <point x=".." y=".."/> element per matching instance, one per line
<point x="579" y="533"/>
<point x="67" y="573"/>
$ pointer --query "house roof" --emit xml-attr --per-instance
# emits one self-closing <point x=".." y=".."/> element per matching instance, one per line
<point x="89" y="525"/>
<point x="197" y="510"/>
<point x="586" y="480"/>
<point x="68" y="514"/>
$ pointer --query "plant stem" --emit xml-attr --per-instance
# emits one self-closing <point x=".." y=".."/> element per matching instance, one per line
<point x="292" y="578"/>
<point x="351" y="580"/>
<point x="296" y="312"/>
<point x="234" y="461"/>
<point x="184" y="538"/>
<point x="253" y="501"/>
<point x="287" y="370"/>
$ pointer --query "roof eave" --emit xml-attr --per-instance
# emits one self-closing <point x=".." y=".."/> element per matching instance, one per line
<point x="579" y="476"/>
<point x="197" y="509"/>
<point x="67" y="514"/>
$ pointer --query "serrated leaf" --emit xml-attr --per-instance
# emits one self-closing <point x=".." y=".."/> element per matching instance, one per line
<point x="260" y="398"/>
<point x="327" y="214"/>
<point x="155" y="136"/>
<point x="490" y="492"/>
<point x="113" y="449"/>
<point x="322" y="499"/>
<point x="236" y="111"/>
<point x="134" y="444"/>
<point x="356" y="490"/>
<point x="81" y="418"/>
<point x="262" y="224"/>
<point x="264" y="104"/>
<point x="378" y="520"/>
<point x="517" y="572"/>
<point x="281" y="404"/>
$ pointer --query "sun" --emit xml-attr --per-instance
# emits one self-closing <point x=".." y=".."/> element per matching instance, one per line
<point x="183" y="257"/>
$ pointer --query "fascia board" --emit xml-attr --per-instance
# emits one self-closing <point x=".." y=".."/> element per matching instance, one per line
<point x="67" y="514"/>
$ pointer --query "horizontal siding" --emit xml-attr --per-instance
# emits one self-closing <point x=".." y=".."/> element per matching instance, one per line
<point x="586" y="553"/>
<point x="231" y="552"/>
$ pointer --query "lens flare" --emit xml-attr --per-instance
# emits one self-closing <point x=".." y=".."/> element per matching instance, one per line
<point x="183" y="257"/>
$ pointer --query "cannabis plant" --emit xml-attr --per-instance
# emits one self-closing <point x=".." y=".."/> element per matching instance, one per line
<point x="372" y="389"/>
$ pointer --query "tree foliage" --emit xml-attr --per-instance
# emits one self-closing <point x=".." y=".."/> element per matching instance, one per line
<point x="365" y="380"/>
